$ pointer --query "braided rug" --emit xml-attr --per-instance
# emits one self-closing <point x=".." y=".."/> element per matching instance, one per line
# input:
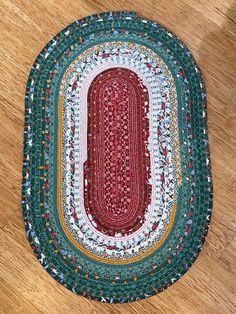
<point x="117" y="192"/>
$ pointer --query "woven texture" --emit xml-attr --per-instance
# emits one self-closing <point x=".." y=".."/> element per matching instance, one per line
<point x="117" y="192"/>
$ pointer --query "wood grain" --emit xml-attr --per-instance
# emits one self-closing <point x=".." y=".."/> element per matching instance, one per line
<point x="208" y="29"/>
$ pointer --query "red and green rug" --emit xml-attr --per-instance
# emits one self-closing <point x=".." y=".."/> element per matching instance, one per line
<point x="117" y="192"/>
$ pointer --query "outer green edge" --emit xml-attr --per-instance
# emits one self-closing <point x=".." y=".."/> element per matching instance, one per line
<point x="27" y="213"/>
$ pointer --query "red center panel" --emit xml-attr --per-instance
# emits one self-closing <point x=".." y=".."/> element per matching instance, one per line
<point x="116" y="173"/>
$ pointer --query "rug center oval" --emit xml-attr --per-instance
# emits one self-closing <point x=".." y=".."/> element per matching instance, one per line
<point x="118" y="152"/>
<point x="117" y="171"/>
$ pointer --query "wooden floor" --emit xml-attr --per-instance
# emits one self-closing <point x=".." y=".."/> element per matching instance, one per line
<point x="208" y="29"/>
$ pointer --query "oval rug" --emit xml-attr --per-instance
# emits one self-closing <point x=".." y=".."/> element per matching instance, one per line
<point x="117" y="191"/>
